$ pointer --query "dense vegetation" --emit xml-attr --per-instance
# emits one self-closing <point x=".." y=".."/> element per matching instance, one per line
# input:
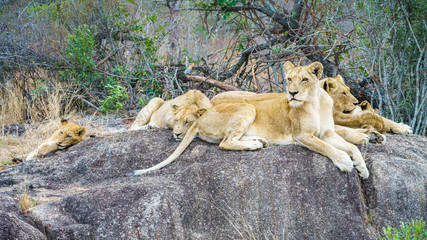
<point x="110" y="56"/>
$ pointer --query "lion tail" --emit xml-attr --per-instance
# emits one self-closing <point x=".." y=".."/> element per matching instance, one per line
<point x="189" y="137"/>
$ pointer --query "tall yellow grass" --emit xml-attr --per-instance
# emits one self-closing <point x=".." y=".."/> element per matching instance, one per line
<point x="36" y="97"/>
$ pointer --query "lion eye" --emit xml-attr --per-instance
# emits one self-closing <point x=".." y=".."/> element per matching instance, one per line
<point x="186" y="122"/>
<point x="304" y="80"/>
<point x="68" y="136"/>
<point x="345" y="94"/>
<point x="290" y="79"/>
<point x="61" y="133"/>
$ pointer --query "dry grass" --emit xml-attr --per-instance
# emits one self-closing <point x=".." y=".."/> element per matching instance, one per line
<point x="37" y="97"/>
<point x="25" y="202"/>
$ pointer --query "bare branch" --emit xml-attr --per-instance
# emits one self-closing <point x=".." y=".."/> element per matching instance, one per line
<point x="214" y="82"/>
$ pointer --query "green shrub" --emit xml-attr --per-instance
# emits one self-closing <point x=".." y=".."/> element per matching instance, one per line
<point x="408" y="231"/>
<point x="117" y="94"/>
<point x="79" y="54"/>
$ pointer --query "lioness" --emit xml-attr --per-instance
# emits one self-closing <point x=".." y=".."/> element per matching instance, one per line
<point x="348" y="113"/>
<point x="68" y="134"/>
<point x="355" y="136"/>
<point x="159" y="113"/>
<point x="186" y="116"/>
<point x="184" y="119"/>
<point x="302" y="115"/>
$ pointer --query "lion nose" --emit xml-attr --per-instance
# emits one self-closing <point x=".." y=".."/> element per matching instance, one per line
<point x="293" y="93"/>
<point x="177" y="134"/>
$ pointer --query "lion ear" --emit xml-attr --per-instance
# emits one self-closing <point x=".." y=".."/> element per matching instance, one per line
<point x="316" y="68"/>
<point x="81" y="131"/>
<point x="340" y="78"/>
<point x="287" y="66"/>
<point x="200" y="111"/>
<point x="329" y="85"/>
<point x="201" y="100"/>
<point x="64" y="122"/>
<point x="175" y="108"/>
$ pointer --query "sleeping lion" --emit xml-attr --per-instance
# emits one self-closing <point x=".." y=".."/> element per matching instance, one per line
<point x="68" y="134"/>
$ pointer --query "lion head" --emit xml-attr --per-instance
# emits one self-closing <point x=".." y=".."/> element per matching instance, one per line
<point x="302" y="82"/>
<point x="192" y="97"/>
<point x="69" y="134"/>
<point x="184" y="118"/>
<point x="344" y="101"/>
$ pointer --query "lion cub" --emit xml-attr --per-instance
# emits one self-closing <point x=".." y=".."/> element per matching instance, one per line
<point x="302" y="115"/>
<point x="68" y="134"/>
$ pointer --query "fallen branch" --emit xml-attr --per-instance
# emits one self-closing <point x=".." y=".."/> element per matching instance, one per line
<point x="214" y="82"/>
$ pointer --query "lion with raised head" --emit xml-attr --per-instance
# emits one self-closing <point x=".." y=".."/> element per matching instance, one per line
<point x="302" y="115"/>
<point x="355" y="136"/>
<point x="68" y="134"/>
<point x="347" y="111"/>
<point x="161" y="114"/>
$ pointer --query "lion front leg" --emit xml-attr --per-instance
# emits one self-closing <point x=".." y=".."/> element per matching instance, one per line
<point x="340" y="158"/>
<point x="43" y="150"/>
<point x="353" y="135"/>
<point x="338" y="142"/>
<point x="394" y="127"/>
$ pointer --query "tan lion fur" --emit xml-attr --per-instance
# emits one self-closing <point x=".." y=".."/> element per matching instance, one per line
<point x="303" y="117"/>
<point x="184" y="119"/>
<point x="355" y="136"/>
<point x="159" y="113"/>
<point x="68" y="134"/>
<point x="348" y="113"/>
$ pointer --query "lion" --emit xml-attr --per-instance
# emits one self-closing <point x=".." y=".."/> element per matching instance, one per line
<point x="347" y="111"/>
<point x="302" y="115"/>
<point x="188" y="115"/>
<point x="354" y="136"/>
<point x="68" y="134"/>
<point x="160" y="114"/>
<point x="184" y="119"/>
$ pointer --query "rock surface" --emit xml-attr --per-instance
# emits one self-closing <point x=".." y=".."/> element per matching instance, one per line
<point x="282" y="192"/>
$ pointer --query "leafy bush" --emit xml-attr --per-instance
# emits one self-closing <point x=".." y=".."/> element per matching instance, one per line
<point x="79" y="54"/>
<point x="117" y="94"/>
<point x="408" y="231"/>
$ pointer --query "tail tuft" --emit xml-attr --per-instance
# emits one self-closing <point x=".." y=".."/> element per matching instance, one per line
<point x="131" y="173"/>
<point x="136" y="172"/>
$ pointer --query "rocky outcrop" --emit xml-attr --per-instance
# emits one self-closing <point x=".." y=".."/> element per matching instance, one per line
<point x="15" y="224"/>
<point x="283" y="192"/>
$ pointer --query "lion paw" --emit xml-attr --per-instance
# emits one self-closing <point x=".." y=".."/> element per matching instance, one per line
<point x="376" y="137"/>
<point x="361" y="138"/>
<point x="255" y="145"/>
<point x="401" y="128"/>
<point x="363" y="172"/>
<point x="263" y="141"/>
<point x="344" y="162"/>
